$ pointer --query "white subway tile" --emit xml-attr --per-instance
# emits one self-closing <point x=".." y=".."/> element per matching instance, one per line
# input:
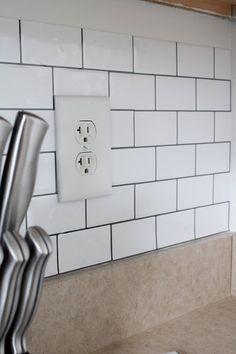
<point x="155" y="128"/>
<point x="133" y="165"/>
<point x="80" y="82"/>
<point x="51" y="268"/>
<point x="56" y="217"/>
<point x="211" y="220"/>
<point x="49" y="44"/>
<point x="25" y="87"/>
<point x="222" y="64"/>
<point x="84" y="248"/>
<point x="195" y="191"/>
<point x="155" y="198"/>
<point x="109" y="51"/>
<point x="195" y="127"/>
<point x="213" y="95"/>
<point x="129" y="91"/>
<point x="46" y="179"/>
<point x="175" y="228"/>
<point x="195" y="60"/>
<point x="9" y="40"/>
<point x="133" y="237"/>
<point x="174" y="93"/>
<point x="154" y="56"/>
<point x="223" y="126"/>
<point x="222" y="184"/>
<point x="212" y="158"/>
<point x="122" y="129"/>
<point x="175" y="161"/>
<point x="115" y="207"/>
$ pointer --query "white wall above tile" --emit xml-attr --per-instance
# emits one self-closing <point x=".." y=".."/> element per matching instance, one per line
<point x="133" y="237"/>
<point x="175" y="228"/>
<point x="195" y="127"/>
<point x="48" y="44"/>
<point x="133" y="165"/>
<point x="25" y="87"/>
<point x="107" y="51"/>
<point x="212" y="219"/>
<point x="155" y="128"/>
<point x="213" y="95"/>
<point x="195" y="61"/>
<point x="174" y="93"/>
<point x="129" y="91"/>
<point x="74" y="248"/>
<point x="154" y="57"/>
<point x="9" y="40"/>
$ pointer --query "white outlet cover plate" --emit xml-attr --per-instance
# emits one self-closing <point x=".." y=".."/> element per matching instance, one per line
<point x="70" y="110"/>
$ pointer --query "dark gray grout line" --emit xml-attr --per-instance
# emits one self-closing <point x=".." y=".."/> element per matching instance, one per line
<point x="177" y="194"/>
<point x="213" y="188"/>
<point x="111" y="242"/>
<point x="214" y="63"/>
<point x="20" y="42"/>
<point x="82" y="47"/>
<point x="112" y="71"/>
<point x="141" y="218"/>
<point x="57" y="254"/>
<point x="156" y="233"/>
<point x="195" y="224"/>
<point x="86" y="213"/>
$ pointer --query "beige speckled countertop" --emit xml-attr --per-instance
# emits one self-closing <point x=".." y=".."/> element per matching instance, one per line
<point x="209" y="330"/>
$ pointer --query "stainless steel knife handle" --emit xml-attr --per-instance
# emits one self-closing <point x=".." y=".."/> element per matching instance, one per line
<point x="40" y="250"/>
<point x="20" y="170"/>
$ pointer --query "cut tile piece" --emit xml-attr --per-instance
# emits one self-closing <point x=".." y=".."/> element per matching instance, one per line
<point x="212" y="219"/>
<point x="129" y="91"/>
<point x="175" y="93"/>
<point x="52" y="262"/>
<point x="155" y="198"/>
<point x="84" y="248"/>
<point x="107" y="51"/>
<point x="223" y="64"/>
<point x="9" y="40"/>
<point x="175" y="228"/>
<point x="223" y="126"/>
<point x="49" y="44"/>
<point x="133" y="237"/>
<point x="46" y="178"/>
<point x="56" y="217"/>
<point x="133" y="165"/>
<point x="122" y="128"/>
<point x="154" y="56"/>
<point x="222" y="184"/>
<point x="118" y="206"/>
<point x="155" y="128"/>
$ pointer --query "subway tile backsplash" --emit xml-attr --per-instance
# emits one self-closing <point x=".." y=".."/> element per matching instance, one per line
<point x="171" y="131"/>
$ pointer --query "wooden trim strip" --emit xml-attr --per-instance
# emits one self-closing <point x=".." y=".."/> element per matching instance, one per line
<point x="216" y="7"/>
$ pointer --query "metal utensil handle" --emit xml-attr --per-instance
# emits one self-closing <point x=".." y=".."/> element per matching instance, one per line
<point x="20" y="170"/>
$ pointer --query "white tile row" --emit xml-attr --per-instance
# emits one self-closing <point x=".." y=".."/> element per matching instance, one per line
<point x="33" y="89"/>
<point x="135" y="237"/>
<point x="137" y="165"/>
<point x="163" y="128"/>
<point x="47" y="44"/>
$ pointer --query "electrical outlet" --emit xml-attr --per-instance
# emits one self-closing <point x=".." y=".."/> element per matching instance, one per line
<point x="85" y="132"/>
<point x="83" y="147"/>
<point x="86" y="163"/>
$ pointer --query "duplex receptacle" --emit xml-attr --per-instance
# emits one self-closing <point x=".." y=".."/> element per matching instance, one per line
<point x="86" y="163"/>
<point x="85" y="132"/>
